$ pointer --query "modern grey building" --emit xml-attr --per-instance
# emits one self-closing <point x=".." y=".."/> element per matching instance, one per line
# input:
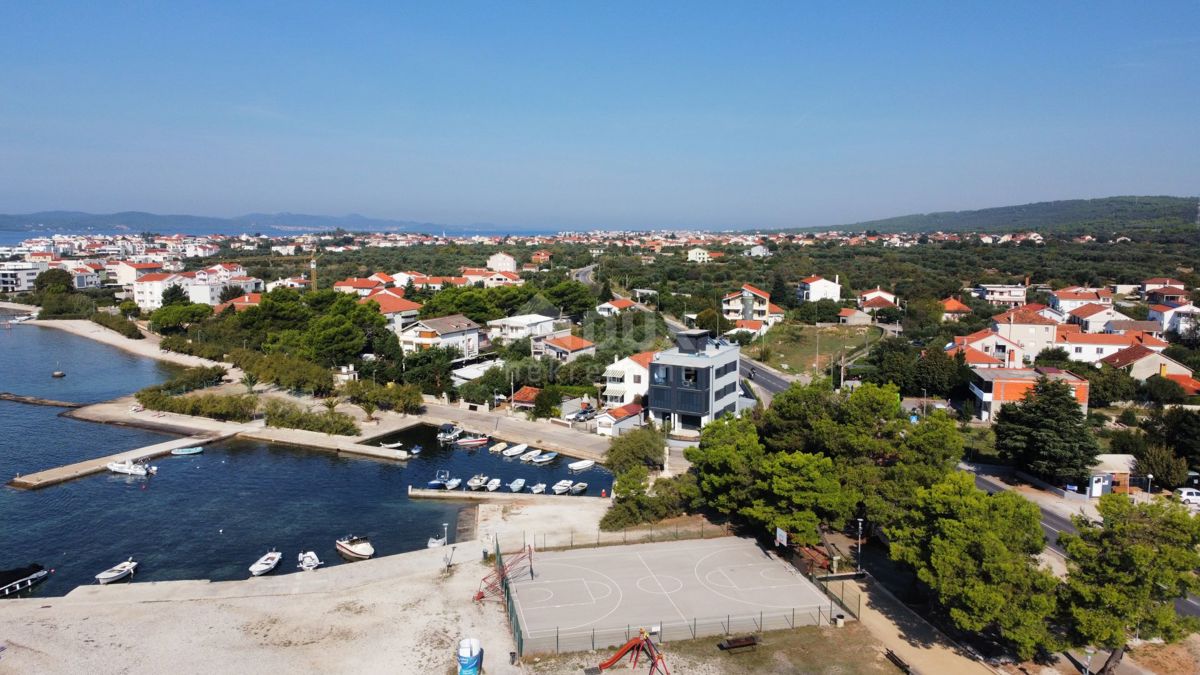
<point x="694" y="382"/>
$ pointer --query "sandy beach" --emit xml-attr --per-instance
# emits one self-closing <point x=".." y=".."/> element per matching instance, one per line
<point x="147" y="347"/>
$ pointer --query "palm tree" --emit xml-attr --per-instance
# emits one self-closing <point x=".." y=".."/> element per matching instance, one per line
<point x="369" y="408"/>
<point x="248" y="381"/>
<point x="331" y="403"/>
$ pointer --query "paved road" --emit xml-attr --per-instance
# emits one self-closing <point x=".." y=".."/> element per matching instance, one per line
<point x="1054" y="524"/>
<point x="584" y="274"/>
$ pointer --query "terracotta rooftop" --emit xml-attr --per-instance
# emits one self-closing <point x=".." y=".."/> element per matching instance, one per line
<point x="570" y="343"/>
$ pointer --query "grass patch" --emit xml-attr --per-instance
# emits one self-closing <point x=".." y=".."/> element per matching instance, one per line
<point x="979" y="445"/>
<point x="801" y="348"/>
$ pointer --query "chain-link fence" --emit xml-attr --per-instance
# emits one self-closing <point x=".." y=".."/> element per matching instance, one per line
<point x="845" y="592"/>
<point x="514" y="540"/>
<point x="556" y="640"/>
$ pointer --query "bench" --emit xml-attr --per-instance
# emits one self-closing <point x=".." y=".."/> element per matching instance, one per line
<point x="744" y="642"/>
<point x="897" y="661"/>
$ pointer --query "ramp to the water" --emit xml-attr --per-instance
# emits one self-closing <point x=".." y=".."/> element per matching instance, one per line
<point x="35" y="400"/>
<point x="62" y="474"/>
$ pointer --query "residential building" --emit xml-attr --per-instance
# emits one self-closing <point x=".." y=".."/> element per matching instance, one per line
<point x="752" y="326"/>
<point x="974" y="358"/>
<point x="525" y="397"/>
<point x="502" y="279"/>
<point x="1069" y="299"/>
<point x="1141" y="362"/>
<point x="1002" y="295"/>
<point x="84" y="277"/>
<point x="876" y="299"/>
<point x="953" y="309"/>
<point x="502" y="262"/>
<point x="751" y="303"/>
<point x="1027" y="328"/>
<point x="240" y="303"/>
<point x="455" y="331"/>
<point x="398" y="310"/>
<point x="615" y="306"/>
<point x="540" y="257"/>
<point x="1093" y="347"/>
<point x="1155" y="283"/>
<point x="127" y="272"/>
<point x="694" y="382"/>
<point x="1167" y="295"/>
<point x="698" y="255"/>
<point x="357" y="286"/>
<point x="627" y="380"/>
<point x="18" y="277"/>
<point x="1175" y="318"/>
<point x="1009" y="353"/>
<point x="292" y="282"/>
<point x="149" y="288"/>
<point x="993" y="387"/>
<point x="536" y="328"/>
<point x="816" y="288"/>
<point x="853" y="317"/>
<point x="1130" y="326"/>
<point x="567" y="348"/>
<point x="616" y="421"/>
<point x="1094" y="317"/>
<point x="757" y="251"/>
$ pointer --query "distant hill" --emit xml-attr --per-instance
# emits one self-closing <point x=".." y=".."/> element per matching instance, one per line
<point x="1068" y="214"/>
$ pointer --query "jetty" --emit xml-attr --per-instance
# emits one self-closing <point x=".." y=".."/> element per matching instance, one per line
<point x="35" y="400"/>
<point x="87" y="467"/>
<point x="501" y="495"/>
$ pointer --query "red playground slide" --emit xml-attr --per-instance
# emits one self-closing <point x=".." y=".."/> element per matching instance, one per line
<point x="641" y="645"/>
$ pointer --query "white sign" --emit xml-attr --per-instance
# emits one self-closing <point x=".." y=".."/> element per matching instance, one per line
<point x="780" y="537"/>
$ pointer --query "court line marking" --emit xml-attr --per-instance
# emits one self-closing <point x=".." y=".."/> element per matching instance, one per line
<point x="662" y="588"/>
<point x="802" y="586"/>
<point x="612" y="582"/>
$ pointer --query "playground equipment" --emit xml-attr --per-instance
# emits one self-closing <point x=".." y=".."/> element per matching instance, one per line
<point x="642" y="645"/>
<point x="515" y="566"/>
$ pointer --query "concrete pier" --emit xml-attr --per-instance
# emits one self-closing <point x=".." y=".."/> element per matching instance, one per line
<point x="501" y="495"/>
<point x="34" y="400"/>
<point x="62" y="474"/>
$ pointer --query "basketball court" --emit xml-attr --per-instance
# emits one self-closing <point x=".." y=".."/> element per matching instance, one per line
<point x="595" y="598"/>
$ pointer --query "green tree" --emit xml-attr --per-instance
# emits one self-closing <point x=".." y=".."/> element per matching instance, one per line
<point x="605" y="293"/>
<point x="1047" y="433"/>
<point x="230" y="292"/>
<point x="1178" y="429"/>
<point x="644" y="446"/>
<point x="178" y="316"/>
<point x="1126" y="571"/>
<point x="895" y="361"/>
<point x="976" y="552"/>
<point x="174" y="295"/>
<point x="1159" y="461"/>
<point x="334" y="340"/>
<point x="935" y="372"/>
<point x="572" y="297"/>
<point x="712" y="321"/>
<point x="796" y="491"/>
<point x="249" y="380"/>
<point x="545" y="403"/>
<point x="1108" y="385"/>
<point x="129" y="308"/>
<point x="1161" y="391"/>
<point x="726" y="463"/>
<point x="369" y="408"/>
<point x="54" y="281"/>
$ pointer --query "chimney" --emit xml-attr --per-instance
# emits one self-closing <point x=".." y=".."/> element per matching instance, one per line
<point x="836" y="278"/>
<point x="1162" y="370"/>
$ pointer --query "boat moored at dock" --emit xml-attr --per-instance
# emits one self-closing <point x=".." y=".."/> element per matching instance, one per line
<point x="117" y="572"/>
<point x="21" y="578"/>
<point x="308" y="561"/>
<point x="355" y="547"/>
<point x="265" y="564"/>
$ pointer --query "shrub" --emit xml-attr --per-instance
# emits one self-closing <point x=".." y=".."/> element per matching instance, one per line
<point x="290" y="372"/>
<point x="405" y="398"/>
<point x="288" y="415"/>
<point x="669" y="497"/>
<point x="191" y="379"/>
<point x="121" y="325"/>
<point x="236" y="408"/>
<point x="1128" y="418"/>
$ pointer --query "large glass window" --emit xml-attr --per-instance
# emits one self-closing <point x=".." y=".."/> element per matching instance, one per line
<point x="689" y="378"/>
<point x="660" y="375"/>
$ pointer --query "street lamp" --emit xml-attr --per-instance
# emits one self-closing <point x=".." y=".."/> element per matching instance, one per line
<point x="1150" y="484"/>
<point x="924" y="402"/>
<point x="1087" y="670"/>
<point x="859" y="556"/>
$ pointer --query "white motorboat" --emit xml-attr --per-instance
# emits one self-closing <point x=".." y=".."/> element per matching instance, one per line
<point x="579" y="488"/>
<point x="529" y="456"/>
<point x="439" y="480"/>
<point x="516" y="450"/>
<point x="117" y="572"/>
<point x="21" y="578"/>
<point x="493" y="485"/>
<point x="415" y="450"/>
<point x="477" y="482"/>
<point x="358" y="548"/>
<point x="582" y="465"/>
<point x="265" y="564"/>
<point x="498" y="447"/>
<point x="453" y="483"/>
<point x="517" y="485"/>
<point x="544" y="458"/>
<point x="448" y="433"/>
<point x="562" y="487"/>
<point x="471" y="441"/>
<point x="436" y="541"/>
<point x="309" y="561"/>
<point x="131" y="468"/>
<point x="538" y="488"/>
<point x="391" y="446"/>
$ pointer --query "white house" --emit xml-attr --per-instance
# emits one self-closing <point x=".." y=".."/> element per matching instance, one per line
<point x="698" y="255"/>
<point x="1155" y="283"/>
<point x="1027" y="328"/>
<point x="567" y="348"/>
<point x="751" y="303"/>
<point x="757" y="251"/>
<point x="616" y="421"/>
<point x="18" y="277"/>
<point x="627" y="380"/>
<point x="876" y="298"/>
<point x="148" y="289"/>
<point x="1093" y="317"/>
<point x="128" y="272"/>
<point x="614" y="307"/>
<point x="502" y="262"/>
<point x="1070" y="299"/>
<point x="1093" y="347"/>
<point x="1003" y="295"/>
<point x="1175" y="318"/>
<point x="357" y="286"/>
<point x="537" y="328"/>
<point x="398" y="311"/>
<point x="448" y="331"/>
<point x="816" y="288"/>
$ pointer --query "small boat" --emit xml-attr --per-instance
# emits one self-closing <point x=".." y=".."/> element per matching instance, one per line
<point x="391" y="446"/>
<point x="538" y="488"/>
<point x="188" y="451"/>
<point x="582" y="465"/>
<point x="58" y="373"/>
<point x="517" y="485"/>
<point x="130" y="468"/>
<point x="453" y="483"/>
<point x="117" y="572"/>
<point x="265" y="564"/>
<point x="545" y="458"/>
<point x="515" y="450"/>
<point x="498" y="447"/>
<point x="308" y="561"/>
<point x="472" y="441"/>
<point x="477" y="482"/>
<point x="448" y="433"/>
<point x="436" y="541"/>
<point x="562" y="487"/>
<point x="20" y="578"/>
<point x="579" y="488"/>
<point x="493" y="485"/>
<point x="529" y="456"/>
<point x="439" y="480"/>
<point x="358" y="548"/>
<point x="415" y="450"/>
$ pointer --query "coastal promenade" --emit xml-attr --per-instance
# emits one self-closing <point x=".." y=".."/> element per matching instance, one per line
<point x="563" y="440"/>
<point x="501" y="495"/>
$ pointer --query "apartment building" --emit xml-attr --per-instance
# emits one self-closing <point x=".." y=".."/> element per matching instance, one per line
<point x="455" y="331"/>
<point x="694" y="382"/>
<point x="993" y="387"/>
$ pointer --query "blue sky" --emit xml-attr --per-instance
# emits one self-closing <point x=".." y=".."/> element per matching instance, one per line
<point x="581" y="114"/>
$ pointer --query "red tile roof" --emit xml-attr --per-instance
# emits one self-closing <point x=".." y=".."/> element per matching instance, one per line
<point x="643" y="359"/>
<point x="356" y="282"/>
<point x="757" y="291"/>
<point x="813" y="279"/>
<point x="1090" y="309"/>
<point x="390" y="304"/>
<point x="239" y="303"/>
<point x="878" y="302"/>
<point x="526" y="394"/>
<point x="624" y="412"/>
<point x="1128" y="356"/>
<point x="1191" y="386"/>
<point x="749" y="324"/>
<point x="570" y="343"/>
<point x="155" y="276"/>
<point x="621" y="303"/>
<point x="974" y="357"/>
<point x="1025" y="316"/>
<point x="954" y="306"/>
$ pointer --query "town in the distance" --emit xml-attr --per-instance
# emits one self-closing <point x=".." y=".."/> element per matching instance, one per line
<point x="923" y="449"/>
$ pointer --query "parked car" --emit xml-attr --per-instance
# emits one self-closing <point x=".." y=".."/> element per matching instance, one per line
<point x="1188" y="495"/>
